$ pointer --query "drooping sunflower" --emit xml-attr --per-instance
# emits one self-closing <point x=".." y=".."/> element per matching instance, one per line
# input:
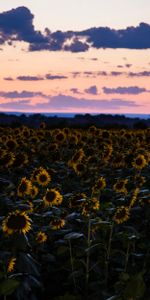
<point x="120" y="186"/>
<point x="139" y="162"/>
<point x="11" y="265"/>
<point x="134" y="197"/>
<point x="43" y="178"/>
<point x="57" y="223"/>
<point x="7" y="159"/>
<point x="79" y="168"/>
<point x="34" y="191"/>
<point x="16" y="221"/>
<point x="24" y="187"/>
<point x="121" y="215"/>
<point x="52" y="197"/>
<point x="41" y="237"/>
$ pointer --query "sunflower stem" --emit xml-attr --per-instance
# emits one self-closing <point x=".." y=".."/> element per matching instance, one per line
<point x="108" y="255"/>
<point x="127" y="258"/>
<point x="72" y="264"/>
<point x="88" y="256"/>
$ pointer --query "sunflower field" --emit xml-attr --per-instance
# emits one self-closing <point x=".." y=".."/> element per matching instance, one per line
<point x="74" y="214"/>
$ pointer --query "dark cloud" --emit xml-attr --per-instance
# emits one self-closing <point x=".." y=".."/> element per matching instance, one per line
<point x="29" y="78"/>
<point x="119" y="66"/>
<point x="91" y="90"/>
<point x="17" y="25"/>
<point x="102" y="73"/>
<point x="8" y="78"/>
<point x="131" y="37"/>
<point x="76" y="74"/>
<point x="128" y="65"/>
<point x="53" y="77"/>
<point x="76" y="46"/>
<point x="133" y="90"/>
<point x="139" y="74"/>
<point x="94" y="58"/>
<point x="75" y="91"/>
<point x="115" y="73"/>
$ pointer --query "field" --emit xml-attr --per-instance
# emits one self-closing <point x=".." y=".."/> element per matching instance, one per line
<point x="74" y="214"/>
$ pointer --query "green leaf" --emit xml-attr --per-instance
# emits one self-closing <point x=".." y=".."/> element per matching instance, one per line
<point x="8" y="286"/>
<point x="73" y="236"/>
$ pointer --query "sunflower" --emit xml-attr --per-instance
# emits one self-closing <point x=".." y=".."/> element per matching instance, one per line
<point x="16" y="221"/>
<point x="90" y="205"/>
<point x="24" y="188"/>
<point x="79" y="168"/>
<point x="41" y="237"/>
<point x="34" y="191"/>
<point x="11" y="265"/>
<point x="134" y="197"/>
<point x="7" y="159"/>
<point x="11" y="144"/>
<point x="43" y="178"/>
<point x="52" y="197"/>
<point x="60" y="137"/>
<point x="121" y="215"/>
<point x="100" y="184"/>
<point x="120" y="186"/>
<point x="139" y="162"/>
<point x="56" y="224"/>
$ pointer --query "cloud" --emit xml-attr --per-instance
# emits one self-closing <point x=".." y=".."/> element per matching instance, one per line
<point x="77" y="46"/>
<point x="91" y="90"/>
<point x="29" y="78"/>
<point x="128" y="65"/>
<point x="66" y="103"/>
<point x="8" y="78"/>
<point x="17" y="25"/>
<point x="139" y="74"/>
<point x="53" y="77"/>
<point x="133" y="90"/>
<point x="75" y="91"/>
<point x="23" y="94"/>
<point x="115" y="73"/>
<point x="21" y="104"/>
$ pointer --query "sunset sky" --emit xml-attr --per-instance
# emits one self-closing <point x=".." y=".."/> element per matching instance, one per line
<point x="75" y="56"/>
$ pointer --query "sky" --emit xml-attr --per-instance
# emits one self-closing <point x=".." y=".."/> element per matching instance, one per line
<point x="75" y="56"/>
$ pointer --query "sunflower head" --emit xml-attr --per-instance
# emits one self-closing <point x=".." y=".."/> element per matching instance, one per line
<point x="120" y="186"/>
<point x="139" y="162"/>
<point x="24" y="187"/>
<point x="52" y="197"/>
<point x="41" y="237"/>
<point x="57" y="223"/>
<point x="16" y="221"/>
<point x="43" y="178"/>
<point x="121" y="215"/>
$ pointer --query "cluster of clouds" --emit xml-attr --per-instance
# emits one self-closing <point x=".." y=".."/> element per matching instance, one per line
<point x="130" y="90"/>
<point x="20" y="101"/>
<point x="37" y="78"/>
<point x="17" y="25"/>
<point x="78" y="74"/>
